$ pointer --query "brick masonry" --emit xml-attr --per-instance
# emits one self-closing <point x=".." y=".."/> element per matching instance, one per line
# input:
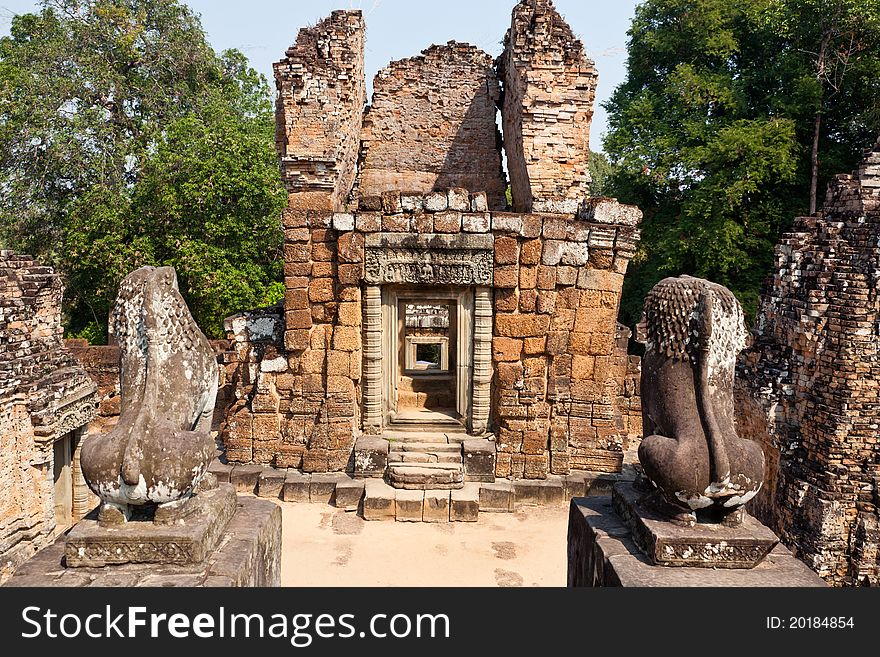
<point x="321" y="94"/>
<point x="431" y="125"/>
<point x="563" y="394"/>
<point x="44" y="396"/>
<point x="549" y="86"/>
<point x="809" y="386"/>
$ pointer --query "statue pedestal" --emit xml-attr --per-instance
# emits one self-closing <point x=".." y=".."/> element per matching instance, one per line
<point x="228" y="541"/>
<point x="186" y="541"/>
<point x="703" y="545"/>
<point x="603" y="550"/>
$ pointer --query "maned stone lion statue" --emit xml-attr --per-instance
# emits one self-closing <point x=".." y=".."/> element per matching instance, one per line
<point x="161" y="447"/>
<point x="693" y="331"/>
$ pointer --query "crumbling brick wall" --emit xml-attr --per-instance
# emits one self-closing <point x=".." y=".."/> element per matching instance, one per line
<point x="549" y="88"/>
<point x="809" y="386"/>
<point x="44" y="396"/>
<point x="628" y="377"/>
<point x="321" y="96"/>
<point x="431" y="126"/>
<point x="558" y="280"/>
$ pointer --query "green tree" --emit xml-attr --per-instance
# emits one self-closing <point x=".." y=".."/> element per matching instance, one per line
<point x="127" y="141"/>
<point x="826" y="42"/>
<point x="710" y="135"/>
<point x="600" y="170"/>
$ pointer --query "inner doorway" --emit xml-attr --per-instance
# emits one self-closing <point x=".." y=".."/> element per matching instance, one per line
<point x="429" y="343"/>
<point x="426" y="360"/>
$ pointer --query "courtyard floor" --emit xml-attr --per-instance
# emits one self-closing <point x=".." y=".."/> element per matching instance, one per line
<point x="325" y="546"/>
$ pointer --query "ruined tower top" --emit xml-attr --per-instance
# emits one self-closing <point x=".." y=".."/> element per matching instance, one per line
<point x="432" y="125"/>
<point x="549" y="88"/>
<point x="321" y="95"/>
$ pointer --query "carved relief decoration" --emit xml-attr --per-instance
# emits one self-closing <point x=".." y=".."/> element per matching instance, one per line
<point x="431" y="259"/>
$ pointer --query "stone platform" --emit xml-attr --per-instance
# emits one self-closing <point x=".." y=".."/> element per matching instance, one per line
<point x="702" y="546"/>
<point x="247" y="553"/>
<point x="602" y="552"/>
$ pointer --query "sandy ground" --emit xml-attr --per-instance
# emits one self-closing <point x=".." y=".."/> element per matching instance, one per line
<point x="325" y="546"/>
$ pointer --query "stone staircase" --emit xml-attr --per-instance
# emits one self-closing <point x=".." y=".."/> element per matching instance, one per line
<point x="425" y="459"/>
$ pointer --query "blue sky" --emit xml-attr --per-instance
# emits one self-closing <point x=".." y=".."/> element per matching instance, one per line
<point x="263" y="29"/>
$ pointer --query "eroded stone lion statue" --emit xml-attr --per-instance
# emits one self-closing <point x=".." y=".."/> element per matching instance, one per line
<point x="693" y="331"/>
<point x="161" y="447"/>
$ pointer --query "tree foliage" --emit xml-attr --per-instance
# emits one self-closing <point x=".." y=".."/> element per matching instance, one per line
<point x="127" y="141"/>
<point x="711" y="133"/>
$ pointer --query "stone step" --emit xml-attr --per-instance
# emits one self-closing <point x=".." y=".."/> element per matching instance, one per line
<point x="451" y="426"/>
<point x="433" y="466"/>
<point x="426" y="476"/>
<point x="415" y="436"/>
<point x="453" y="448"/>
<point x="424" y="457"/>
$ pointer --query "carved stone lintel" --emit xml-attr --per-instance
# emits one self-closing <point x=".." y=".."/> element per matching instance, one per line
<point x="429" y="259"/>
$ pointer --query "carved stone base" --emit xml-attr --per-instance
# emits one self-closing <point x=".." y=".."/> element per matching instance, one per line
<point x="247" y="554"/>
<point x="186" y="541"/>
<point x="704" y="545"/>
<point x="602" y="553"/>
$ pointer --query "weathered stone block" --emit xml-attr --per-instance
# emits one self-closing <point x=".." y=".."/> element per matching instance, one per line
<point x="245" y="477"/>
<point x="601" y="553"/>
<point x="90" y="544"/>
<point x="220" y="470"/>
<point x="379" y="501"/>
<point x="323" y="486"/>
<point x="396" y="223"/>
<point x="349" y="493"/>
<point x="497" y="497"/>
<point x="478" y="460"/>
<point x="370" y="456"/>
<point x="522" y="326"/>
<point x="505" y="222"/>
<point x="409" y="504"/>
<point x="464" y="504"/>
<point x="550" y="491"/>
<point x="459" y="199"/>
<point x="480" y="203"/>
<point x="436" y="202"/>
<point x="347" y="338"/>
<point x="476" y="223"/>
<point x="369" y="222"/>
<point x="296" y="487"/>
<point x="436" y="506"/>
<point x="271" y="483"/>
<point x="506" y="349"/>
<point x="506" y="276"/>
<point x="506" y="251"/>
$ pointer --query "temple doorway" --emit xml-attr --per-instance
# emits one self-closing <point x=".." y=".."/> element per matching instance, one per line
<point x="429" y="342"/>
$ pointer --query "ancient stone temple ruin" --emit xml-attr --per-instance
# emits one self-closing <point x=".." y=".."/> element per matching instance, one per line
<point x="430" y="335"/>
<point x="46" y="401"/>
<point x="809" y="385"/>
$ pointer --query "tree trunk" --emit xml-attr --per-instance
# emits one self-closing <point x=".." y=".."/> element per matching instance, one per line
<point x="821" y="72"/>
<point x="814" y="163"/>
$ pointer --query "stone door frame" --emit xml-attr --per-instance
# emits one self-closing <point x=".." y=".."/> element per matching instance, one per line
<point x="473" y="351"/>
